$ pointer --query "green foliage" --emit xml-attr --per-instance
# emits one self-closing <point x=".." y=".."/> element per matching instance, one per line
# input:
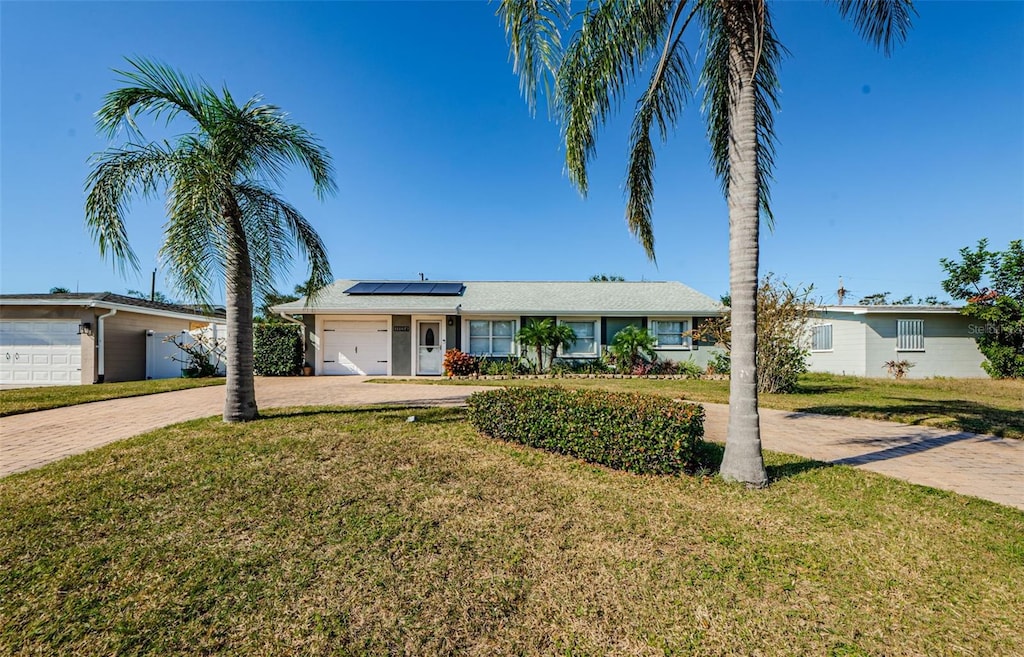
<point x="644" y="434"/>
<point x="545" y="334"/>
<point x="511" y="365"/>
<point x="783" y="313"/>
<point x="277" y="349"/>
<point x="992" y="285"/>
<point x="632" y="347"/>
<point x="687" y="368"/>
<point x="580" y="366"/>
<point x="457" y="363"/>
<point x="59" y="290"/>
<point x="720" y="363"/>
<point x="157" y="296"/>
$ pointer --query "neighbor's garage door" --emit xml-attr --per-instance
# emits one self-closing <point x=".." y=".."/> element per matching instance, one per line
<point x="40" y="352"/>
<point x="356" y="347"/>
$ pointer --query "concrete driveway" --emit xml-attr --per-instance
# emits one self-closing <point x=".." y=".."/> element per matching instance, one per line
<point x="983" y="466"/>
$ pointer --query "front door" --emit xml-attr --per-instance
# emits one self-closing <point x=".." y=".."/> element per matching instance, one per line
<point x="428" y="348"/>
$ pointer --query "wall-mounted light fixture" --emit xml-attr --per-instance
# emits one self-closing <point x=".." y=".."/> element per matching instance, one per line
<point x="85" y="328"/>
<point x="451" y="322"/>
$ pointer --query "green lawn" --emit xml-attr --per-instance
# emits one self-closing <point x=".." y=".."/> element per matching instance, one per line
<point x="354" y="532"/>
<point x="975" y="405"/>
<point x="26" y="400"/>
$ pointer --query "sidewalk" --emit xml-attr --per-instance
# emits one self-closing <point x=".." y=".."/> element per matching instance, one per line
<point x="983" y="466"/>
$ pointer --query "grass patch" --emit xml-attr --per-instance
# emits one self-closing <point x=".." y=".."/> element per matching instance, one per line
<point x="988" y="406"/>
<point x="339" y="531"/>
<point x="26" y="400"/>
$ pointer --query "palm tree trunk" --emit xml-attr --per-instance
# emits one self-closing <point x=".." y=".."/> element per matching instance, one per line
<point x="240" y="396"/>
<point x="743" y="460"/>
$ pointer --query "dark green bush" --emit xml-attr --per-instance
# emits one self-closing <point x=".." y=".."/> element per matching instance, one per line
<point x="645" y="434"/>
<point x="276" y="349"/>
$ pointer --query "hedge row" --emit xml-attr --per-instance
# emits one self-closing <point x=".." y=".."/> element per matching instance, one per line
<point x="638" y="433"/>
<point x="276" y="349"/>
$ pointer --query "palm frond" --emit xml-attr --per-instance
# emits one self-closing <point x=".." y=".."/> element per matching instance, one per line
<point x="532" y="28"/>
<point x="118" y="174"/>
<point x="194" y="238"/>
<point x="882" y="22"/>
<point x="719" y="87"/>
<point x="282" y="229"/>
<point x="604" y="58"/>
<point x="156" y="89"/>
<point x="662" y="102"/>
<point x="259" y="142"/>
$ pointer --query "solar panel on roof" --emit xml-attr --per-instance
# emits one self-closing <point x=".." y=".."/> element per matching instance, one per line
<point x="411" y="288"/>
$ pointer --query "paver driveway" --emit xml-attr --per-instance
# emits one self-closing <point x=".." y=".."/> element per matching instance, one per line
<point x="984" y="466"/>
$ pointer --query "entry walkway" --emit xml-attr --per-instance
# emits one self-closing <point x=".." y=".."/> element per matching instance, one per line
<point x="983" y="466"/>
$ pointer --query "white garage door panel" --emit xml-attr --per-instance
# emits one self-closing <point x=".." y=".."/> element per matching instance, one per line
<point x="356" y="347"/>
<point x="40" y="352"/>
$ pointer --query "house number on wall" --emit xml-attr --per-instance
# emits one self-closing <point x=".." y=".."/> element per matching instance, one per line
<point x="400" y="329"/>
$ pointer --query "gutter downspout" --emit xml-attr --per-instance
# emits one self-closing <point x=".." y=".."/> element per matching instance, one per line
<point x="102" y="345"/>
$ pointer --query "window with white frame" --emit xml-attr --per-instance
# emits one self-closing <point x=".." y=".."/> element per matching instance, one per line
<point x="910" y="335"/>
<point x="821" y="337"/>
<point x="586" y="339"/>
<point x="491" y="337"/>
<point x="671" y="333"/>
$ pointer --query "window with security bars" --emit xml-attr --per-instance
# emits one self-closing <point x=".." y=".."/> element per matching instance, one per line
<point x="821" y="337"/>
<point x="910" y="335"/>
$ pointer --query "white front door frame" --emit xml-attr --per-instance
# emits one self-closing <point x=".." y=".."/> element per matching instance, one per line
<point x="442" y="340"/>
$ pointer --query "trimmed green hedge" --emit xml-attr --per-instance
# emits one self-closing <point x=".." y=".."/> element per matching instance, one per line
<point x="276" y="349"/>
<point x="638" y="433"/>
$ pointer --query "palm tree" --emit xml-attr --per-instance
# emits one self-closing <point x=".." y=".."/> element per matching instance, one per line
<point x="617" y="43"/>
<point x="545" y="334"/>
<point x="633" y="345"/>
<point x="223" y="216"/>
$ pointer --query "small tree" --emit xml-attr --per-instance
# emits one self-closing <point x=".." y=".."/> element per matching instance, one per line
<point x="783" y="314"/>
<point x="633" y="346"/>
<point x="992" y="285"/>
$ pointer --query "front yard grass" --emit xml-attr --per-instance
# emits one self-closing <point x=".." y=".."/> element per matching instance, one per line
<point x="988" y="406"/>
<point x="27" y="400"/>
<point x="355" y="532"/>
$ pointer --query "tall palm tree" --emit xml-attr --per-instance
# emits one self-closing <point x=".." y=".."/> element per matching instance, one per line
<point x="223" y="216"/>
<point x="617" y="43"/>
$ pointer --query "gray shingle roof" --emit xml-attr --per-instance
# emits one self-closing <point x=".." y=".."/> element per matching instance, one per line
<point x="63" y="298"/>
<point x="523" y="298"/>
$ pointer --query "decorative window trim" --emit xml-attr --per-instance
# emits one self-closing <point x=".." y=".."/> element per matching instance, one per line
<point x="686" y="343"/>
<point x="909" y="335"/>
<point x="815" y="339"/>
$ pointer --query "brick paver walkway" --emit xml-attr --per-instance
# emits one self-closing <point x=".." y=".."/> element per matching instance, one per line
<point x="983" y="466"/>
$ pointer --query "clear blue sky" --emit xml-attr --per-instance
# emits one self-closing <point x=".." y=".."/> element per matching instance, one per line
<point x="884" y="165"/>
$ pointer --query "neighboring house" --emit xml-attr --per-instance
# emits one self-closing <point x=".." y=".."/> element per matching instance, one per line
<point x="81" y="338"/>
<point x="404" y="327"/>
<point x="859" y="340"/>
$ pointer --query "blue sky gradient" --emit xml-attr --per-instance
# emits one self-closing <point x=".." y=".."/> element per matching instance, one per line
<point x="884" y="165"/>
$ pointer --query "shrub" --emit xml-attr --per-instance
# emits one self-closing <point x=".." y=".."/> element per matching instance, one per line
<point x="720" y="363"/>
<point x="579" y="366"/>
<point x="276" y="349"/>
<point x="687" y="368"/>
<point x="457" y="363"/>
<point x="898" y="368"/>
<point x="645" y="434"/>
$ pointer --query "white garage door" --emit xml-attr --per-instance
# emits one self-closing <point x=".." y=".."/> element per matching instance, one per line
<point x="40" y="352"/>
<point x="356" y="347"/>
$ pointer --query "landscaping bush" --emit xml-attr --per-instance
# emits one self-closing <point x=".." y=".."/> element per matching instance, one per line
<point x="579" y="366"/>
<point x="645" y="434"/>
<point x="457" y="363"/>
<point x="508" y="366"/>
<point x="687" y="368"/>
<point x="276" y="349"/>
